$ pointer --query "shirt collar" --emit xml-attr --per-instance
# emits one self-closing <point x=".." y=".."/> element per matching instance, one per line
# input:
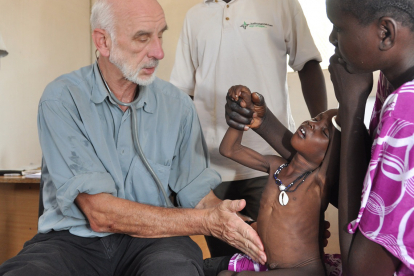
<point x="99" y="92"/>
<point x="206" y="1"/>
<point x="146" y="97"/>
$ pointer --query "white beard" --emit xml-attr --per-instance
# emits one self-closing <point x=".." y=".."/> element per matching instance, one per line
<point x="130" y="72"/>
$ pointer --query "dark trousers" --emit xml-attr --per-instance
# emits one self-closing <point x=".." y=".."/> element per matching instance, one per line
<point x="248" y="189"/>
<point x="61" y="253"/>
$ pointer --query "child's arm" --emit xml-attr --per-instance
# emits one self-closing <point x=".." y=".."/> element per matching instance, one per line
<point x="232" y="148"/>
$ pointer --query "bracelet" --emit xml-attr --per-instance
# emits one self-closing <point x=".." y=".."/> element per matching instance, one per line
<point x="250" y="222"/>
<point x="335" y="124"/>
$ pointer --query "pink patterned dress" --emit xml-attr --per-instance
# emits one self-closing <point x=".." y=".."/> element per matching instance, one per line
<point x="387" y="209"/>
<point x="241" y="262"/>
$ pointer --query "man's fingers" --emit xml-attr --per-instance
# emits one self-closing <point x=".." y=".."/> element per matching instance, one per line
<point x="236" y="232"/>
<point x="247" y="240"/>
<point x="251" y="244"/>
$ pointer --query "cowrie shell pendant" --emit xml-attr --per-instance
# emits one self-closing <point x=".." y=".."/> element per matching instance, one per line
<point x="283" y="198"/>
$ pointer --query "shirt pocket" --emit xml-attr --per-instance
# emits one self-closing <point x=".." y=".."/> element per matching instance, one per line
<point x="141" y="187"/>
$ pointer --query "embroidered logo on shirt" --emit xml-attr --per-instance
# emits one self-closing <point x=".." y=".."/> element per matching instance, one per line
<point x="255" y="25"/>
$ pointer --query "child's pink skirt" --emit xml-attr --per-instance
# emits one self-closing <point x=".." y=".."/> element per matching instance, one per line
<point x="240" y="262"/>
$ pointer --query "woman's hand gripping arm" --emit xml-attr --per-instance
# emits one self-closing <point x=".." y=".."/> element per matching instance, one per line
<point x="249" y="110"/>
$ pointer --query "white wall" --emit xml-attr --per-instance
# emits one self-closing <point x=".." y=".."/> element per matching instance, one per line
<point x="175" y="11"/>
<point x="45" y="38"/>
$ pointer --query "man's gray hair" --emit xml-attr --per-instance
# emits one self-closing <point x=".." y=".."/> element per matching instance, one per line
<point x="102" y="17"/>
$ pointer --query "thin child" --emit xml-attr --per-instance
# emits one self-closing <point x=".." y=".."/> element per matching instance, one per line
<point x="296" y="194"/>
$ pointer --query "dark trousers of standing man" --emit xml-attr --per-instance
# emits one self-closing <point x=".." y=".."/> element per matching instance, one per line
<point x="249" y="189"/>
<point x="61" y="253"/>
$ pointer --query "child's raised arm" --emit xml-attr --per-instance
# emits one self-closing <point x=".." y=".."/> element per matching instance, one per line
<point x="232" y="148"/>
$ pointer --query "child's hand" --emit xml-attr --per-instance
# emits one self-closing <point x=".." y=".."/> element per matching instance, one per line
<point x="242" y="95"/>
<point x="252" y="111"/>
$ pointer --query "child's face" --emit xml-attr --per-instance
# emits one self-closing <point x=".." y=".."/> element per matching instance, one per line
<point x="312" y="138"/>
<point x="355" y="44"/>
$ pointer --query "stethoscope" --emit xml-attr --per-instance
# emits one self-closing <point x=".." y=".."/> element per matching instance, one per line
<point x="136" y="140"/>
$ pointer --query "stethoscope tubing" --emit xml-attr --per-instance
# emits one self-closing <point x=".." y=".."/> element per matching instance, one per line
<point x="137" y="145"/>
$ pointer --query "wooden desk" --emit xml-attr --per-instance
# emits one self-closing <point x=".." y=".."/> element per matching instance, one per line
<point x="19" y="205"/>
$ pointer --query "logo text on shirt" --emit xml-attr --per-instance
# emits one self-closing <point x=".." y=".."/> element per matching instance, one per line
<point x="255" y="25"/>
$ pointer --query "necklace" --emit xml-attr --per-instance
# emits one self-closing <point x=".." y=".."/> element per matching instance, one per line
<point x="283" y="197"/>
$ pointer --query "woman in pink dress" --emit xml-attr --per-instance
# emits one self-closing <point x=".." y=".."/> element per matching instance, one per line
<point x="376" y="188"/>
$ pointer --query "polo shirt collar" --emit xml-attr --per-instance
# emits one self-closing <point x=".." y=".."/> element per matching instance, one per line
<point x="146" y="97"/>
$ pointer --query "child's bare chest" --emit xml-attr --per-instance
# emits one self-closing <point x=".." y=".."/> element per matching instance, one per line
<point x="289" y="228"/>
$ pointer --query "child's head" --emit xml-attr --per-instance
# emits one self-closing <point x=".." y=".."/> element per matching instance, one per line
<point x="365" y="31"/>
<point x="312" y="138"/>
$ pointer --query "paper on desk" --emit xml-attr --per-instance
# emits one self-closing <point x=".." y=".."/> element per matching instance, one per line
<point x="33" y="175"/>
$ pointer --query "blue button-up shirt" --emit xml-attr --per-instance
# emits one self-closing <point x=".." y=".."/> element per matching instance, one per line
<point x="87" y="147"/>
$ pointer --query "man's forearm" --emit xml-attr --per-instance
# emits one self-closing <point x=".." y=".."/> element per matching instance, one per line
<point x="313" y="87"/>
<point x="107" y="213"/>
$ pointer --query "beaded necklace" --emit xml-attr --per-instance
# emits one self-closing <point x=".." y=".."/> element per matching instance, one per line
<point x="283" y="197"/>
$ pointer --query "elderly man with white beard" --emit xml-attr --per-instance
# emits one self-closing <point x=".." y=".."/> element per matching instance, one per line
<point x="104" y="213"/>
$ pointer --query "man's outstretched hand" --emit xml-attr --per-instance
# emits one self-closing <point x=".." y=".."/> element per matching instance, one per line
<point x="244" y="109"/>
<point x="223" y="222"/>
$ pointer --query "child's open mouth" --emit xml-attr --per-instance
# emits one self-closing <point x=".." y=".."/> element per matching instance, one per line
<point x="302" y="132"/>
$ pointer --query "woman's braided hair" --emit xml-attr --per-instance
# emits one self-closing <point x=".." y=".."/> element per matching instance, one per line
<point x="366" y="11"/>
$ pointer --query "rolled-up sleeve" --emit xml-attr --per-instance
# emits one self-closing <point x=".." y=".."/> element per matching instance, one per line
<point x="191" y="176"/>
<point x="72" y="162"/>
